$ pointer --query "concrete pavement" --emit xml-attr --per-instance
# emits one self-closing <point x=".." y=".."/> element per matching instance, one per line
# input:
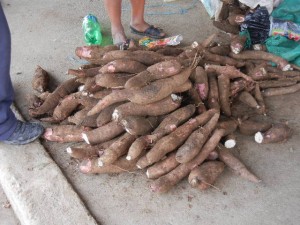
<point x="46" y="33"/>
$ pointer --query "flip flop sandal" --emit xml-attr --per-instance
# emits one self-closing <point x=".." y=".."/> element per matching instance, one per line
<point x="153" y="32"/>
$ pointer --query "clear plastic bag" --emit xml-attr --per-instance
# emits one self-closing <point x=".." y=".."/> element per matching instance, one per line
<point x="266" y="3"/>
<point x="212" y="7"/>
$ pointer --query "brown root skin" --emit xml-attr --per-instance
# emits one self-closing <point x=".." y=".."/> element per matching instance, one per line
<point x="89" y="72"/>
<point x="229" y="126"/>
<point x="170" y="51"/>
<point x="40" y="80"/>
<point x="53" y="99"/>
<point x="277" y="83"/>
<point x="67" y="105"/>
<point x="113" y="80"/>
<point x="99" y="94"/>
<point x="218" y="38"/>
<point x="259" y="72"/>
<point x="184" y="87"/>
<point x="200" y="80"/>
<point x="220" y="50"/>
<point x="236" y="19"/>
<point x="91" y="86"/>
<point x="102" y="134"/>
<point x="139" y="125"/>
<point x="250" y="127"/>
<point x="123" y="66"/>
<point x="250" y="54"/>
<point x="151" y="93"/>
<point x="90" y="166"/>
<point x="116" y="149"/>
<point x="229" y="71"/>
<point x="83" y="150"/>
<point x="248" y="99"/>
<point x="235" y="164"/>
<point x="162" y="167"/>
<point x="222" y="60"/>
<point x="136" y="148"/>
<point x="159" y="89"/>
<point x="213" y="100"/>
<point x="115" y="97"/>
<point x="158" y="108"/>
<point x="193" y="145"/>
<point x="94" y="54"/>
<point x="224" y="93"/>
<point x="64" y="133"/>
<point x="281" y="90"/>
<point x="171" y="122"/>
<point x="105" y="116"/>
<point x="238" y="85"/>
<point x="145" y="57"/>
<point x="140" y="80"/>
<point x="165" y="69"/>
<point x="196" y="100"/>
<point x="204" y="176"/>
<point x="172" y="141"/>
<point x="260" y="100"/>
<point x="78" y="117"/>
<point x="167" y="181"/>
<point x="277" y="133"/>
<point x="34" y="102"/>
<point x="237" y="44"/>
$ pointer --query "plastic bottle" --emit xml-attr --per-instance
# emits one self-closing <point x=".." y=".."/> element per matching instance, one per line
<point x="91" y="30"/>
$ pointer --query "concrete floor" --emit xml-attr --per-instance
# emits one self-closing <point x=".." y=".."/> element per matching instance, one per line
<point x="46" y="33"/>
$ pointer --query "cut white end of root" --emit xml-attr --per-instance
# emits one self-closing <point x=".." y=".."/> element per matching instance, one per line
<point x="69" y="150"/>
<point x="147" y="174"/>
<point x="258" y="137"/>
<point x="128" y="157"/>
<point x="81" y="88"/>
<point x="138" y="166"/>
<point x="230" y="144"/>
<point x="257" y="47"/>
<point x="100" y="163"/>
<point x="84" y="93"/>
<point x="195" y="44"/>
<point x="287" y="67"/>
<point x="175" y="97"/>
<point x="194" y="182"/>
<point x="236" y="50"/>
<point x="85" y="138"/>
<point x="115" y="115"/>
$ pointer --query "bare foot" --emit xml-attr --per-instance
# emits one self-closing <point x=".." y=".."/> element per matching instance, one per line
<point x="118" y="36"/>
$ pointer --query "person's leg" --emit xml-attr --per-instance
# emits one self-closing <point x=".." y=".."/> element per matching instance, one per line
<point x="8" y="120"/>
<point x="137" y="18"/>
<point x="113" y="8"/>
<point x="12" y="131"/>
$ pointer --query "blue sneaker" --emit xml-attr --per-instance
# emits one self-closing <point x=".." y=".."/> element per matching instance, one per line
<point x="25" y="133"/>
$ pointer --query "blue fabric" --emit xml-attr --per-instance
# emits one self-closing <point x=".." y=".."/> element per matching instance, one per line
<point x="8" y="120"/>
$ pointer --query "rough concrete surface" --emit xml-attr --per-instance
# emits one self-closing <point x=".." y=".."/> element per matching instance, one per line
<point x="36" y="188"/>
<point x="46" y="33"/>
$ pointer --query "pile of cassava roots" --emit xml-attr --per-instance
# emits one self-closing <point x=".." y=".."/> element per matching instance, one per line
<point x="172" y="112"/>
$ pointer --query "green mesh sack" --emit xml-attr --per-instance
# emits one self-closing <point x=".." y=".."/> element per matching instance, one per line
<point x="288" y="10"/>
<point x="285" y="48"/>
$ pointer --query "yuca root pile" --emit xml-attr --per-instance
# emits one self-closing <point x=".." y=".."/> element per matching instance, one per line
<point x="171" y="111"/>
